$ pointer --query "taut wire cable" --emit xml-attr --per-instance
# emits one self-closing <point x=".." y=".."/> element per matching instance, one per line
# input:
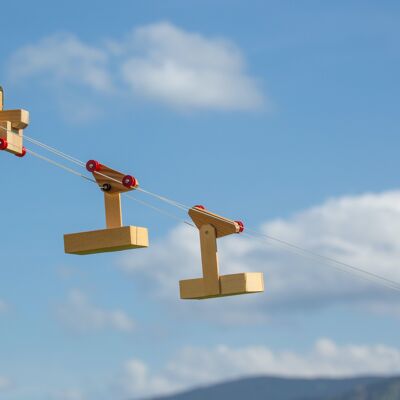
<point x="264" y="238"/>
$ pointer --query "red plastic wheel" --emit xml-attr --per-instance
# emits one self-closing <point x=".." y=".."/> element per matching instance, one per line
<point x="129" y="181"/>
<point x="200" y="207"/>
<point x="3" y="144"/>
<point x="93" y="166"/>
<point x="23" y="153"/>
<point x="241" y="226"/>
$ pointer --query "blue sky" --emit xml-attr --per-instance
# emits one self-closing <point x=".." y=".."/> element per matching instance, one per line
<point x="283" y="114"/>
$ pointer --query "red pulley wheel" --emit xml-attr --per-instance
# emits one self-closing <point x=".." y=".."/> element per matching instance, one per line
<point x="241" y="226"/>
<point x="93" y="166"/>
<point x="22" y="153"/>
<point x="129" y="181"/>
<point x="200" y="207"/>
<point x="3" y="144"/>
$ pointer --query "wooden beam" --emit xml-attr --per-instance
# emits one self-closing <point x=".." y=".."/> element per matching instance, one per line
<point x="14" y="137"/>
<point x="209" y="259"/>
<point x="112" y="203"/>
<point x="19" y="118"/>
<point x="103" y="176"/>
<point x="231" y="285"/>
<point x="106" y="240"/>
<point x="244" y="283"/>
<point x="222" y="225"/>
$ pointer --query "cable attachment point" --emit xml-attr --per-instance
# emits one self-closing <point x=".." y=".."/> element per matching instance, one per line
<point x="106" y="187"/>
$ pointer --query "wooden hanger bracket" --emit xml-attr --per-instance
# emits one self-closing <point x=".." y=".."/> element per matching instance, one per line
<point x="12" y="124"/>
<point x="211" y="227"/>
<point x="115" y="237"/>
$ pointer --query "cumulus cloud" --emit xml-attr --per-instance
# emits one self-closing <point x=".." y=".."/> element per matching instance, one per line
<point x="160" y="62"/>
<point x="189" y="70"/>
<point x="360" y="230"/>
<point x="194" y="366"/>
<point x="62" y="58"/>
<point x="79" y="314"/>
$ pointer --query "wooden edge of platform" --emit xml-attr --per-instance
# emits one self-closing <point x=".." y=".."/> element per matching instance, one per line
<point x="230" y="285"/>
<point x="106" y="240"/>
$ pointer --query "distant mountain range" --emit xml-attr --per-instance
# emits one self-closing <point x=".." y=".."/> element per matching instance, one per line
<point x="270" y="388"/>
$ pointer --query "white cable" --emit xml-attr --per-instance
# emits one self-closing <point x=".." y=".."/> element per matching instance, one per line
<point x="94" y="181"/>
<point x="72" y="171"/>
<point x="299" y="250"/>
<point x="161" y="211"/>
<point x="55" y="151"/>
<point x="339" y="265"/>
<point x="165" y="199"/>
<point x="82" y="164"/>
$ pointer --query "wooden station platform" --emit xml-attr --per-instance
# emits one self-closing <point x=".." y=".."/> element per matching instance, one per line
<point x="212" y="226"/>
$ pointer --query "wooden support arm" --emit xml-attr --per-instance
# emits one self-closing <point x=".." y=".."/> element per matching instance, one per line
<point x="112" y="203"/>
<point x="209" y="259"/>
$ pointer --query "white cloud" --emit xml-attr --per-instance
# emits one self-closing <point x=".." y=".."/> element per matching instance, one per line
<point x="160" y="62"/>
<point x="360" y="230"/>
<point x="188" y="70"/>
<point x="194" y="366"/>
<point x="5" y="383"/>
<point x="79" y="314"/>
<point x="62" y="58"/>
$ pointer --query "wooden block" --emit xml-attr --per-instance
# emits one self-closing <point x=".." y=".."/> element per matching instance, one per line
<point x="192" y="289"/>
<point x="13" y="136"/>
<point x="247" y="282"/>
<point x="222" y="225"/>
<point x="231" y="285"/>
<point x="209" y="259"/>
<point x="112" y="204"/>
<point x="106" y="240"/>
<point x="1" y="98"/>
<point x="5" y="128"/>
<point x="103" y="176"/>
<point x="19" y="118"/>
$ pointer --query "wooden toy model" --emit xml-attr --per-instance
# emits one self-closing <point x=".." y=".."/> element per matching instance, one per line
<point x="115" y="237"/>
<point x="12" y="124"/>
<point x="211" y="227"/>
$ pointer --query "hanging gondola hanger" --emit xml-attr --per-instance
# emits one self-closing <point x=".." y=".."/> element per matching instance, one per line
<point x="116" y="237"/>
<point x="211" y="226"/>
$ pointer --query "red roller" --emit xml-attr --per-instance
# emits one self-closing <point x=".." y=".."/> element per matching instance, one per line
<point x="241" y="226"/>
<point x="93" y="166"/>
<point x="3" y="144"/>
<point x="200" y="207"/>
<point x="23" y="153"/>
<point x="129" y="181"/>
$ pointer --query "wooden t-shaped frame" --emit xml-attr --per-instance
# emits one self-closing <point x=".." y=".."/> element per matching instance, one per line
<point x="12" y="124"/>
<point x="212" y="226"/>
<point x="115" y="237"/>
